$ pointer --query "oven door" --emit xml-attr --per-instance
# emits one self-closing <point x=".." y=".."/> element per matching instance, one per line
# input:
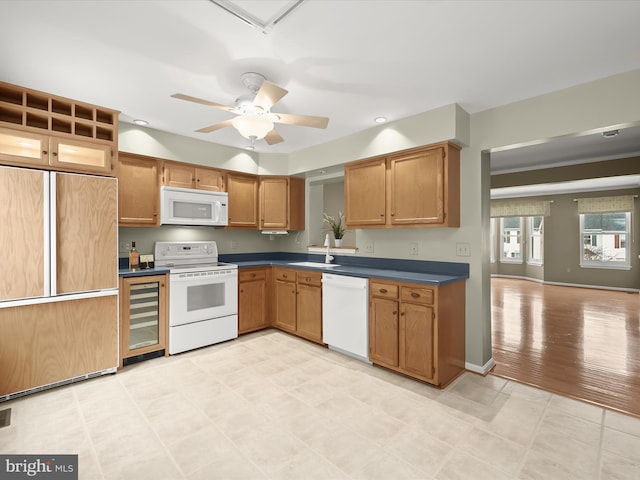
<point x="197" y="296"/>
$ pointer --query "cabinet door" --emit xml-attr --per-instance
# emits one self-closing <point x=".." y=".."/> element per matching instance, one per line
<point x="285" y="305"/>
<point x="86" y="233"/>
<point x="178" y="175"/>
<point x="22" y="230"/>
<point x="417" y="187"/>
<point x="252" y="301"/>
<point x="23" y="148"/>
<point x="383" y="331"/>
<point x="138" y="191"/>
<point x="79" y="156"/>
<point x="309" y="312"/>
<point x="210" y="179"/>
<point x="274" y="203"/>
<point x="417" y="340"/>
<point x="50" y="342"/>
<point x="243" y="201"/>
<point x="364" y="193"/>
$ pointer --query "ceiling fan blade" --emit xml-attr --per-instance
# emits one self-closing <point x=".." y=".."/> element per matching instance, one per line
<point x="268" y="95"/>
<point x="302" y="120"/>
<point x="273" y="137"/>
<point x="213" y="128"/>
<point x="189" y="98"/>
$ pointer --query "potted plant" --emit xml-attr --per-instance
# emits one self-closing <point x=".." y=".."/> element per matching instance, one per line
<point x="337" y="226"/>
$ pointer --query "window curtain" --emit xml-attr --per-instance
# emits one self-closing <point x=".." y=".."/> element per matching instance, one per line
<point x="520" y="208"/>
<point x="621" y="203"/>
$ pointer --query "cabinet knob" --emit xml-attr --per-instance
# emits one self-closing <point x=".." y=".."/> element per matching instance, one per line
<point x="253" y="274"/>
<point x="284" y="275"/>
<point x="383" y="290"/>
<point x="382" y="214"/>
<point x="55" y="154"/>
<point x="393" y="214"/>
<point x="241" y="291"/>
<point x="44" y="152"/>
<point x="155" y="214"/>
<point x="415" y="295"/>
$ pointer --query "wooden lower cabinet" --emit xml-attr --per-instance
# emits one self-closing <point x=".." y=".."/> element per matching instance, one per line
<point x="143" y="315"/>
<point x="253" y="299"/>
<point x="309" y="305"/>
<point x="284" y="312"/>
<point x="298" y="302"/>
<point x="46" y="343"/>
<point x="418" y="330"/>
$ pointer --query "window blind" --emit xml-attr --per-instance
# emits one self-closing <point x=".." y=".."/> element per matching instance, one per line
<point x="620" y="203"/>
<point x="520" y="208"/>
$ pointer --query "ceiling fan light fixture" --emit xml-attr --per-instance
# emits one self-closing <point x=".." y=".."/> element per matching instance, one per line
<point x="380" y="119"/>
<point x="610" y="133"/>
<point x="252" y="126"/>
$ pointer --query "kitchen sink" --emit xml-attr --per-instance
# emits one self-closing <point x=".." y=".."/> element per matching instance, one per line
<point x="314" y="264"/>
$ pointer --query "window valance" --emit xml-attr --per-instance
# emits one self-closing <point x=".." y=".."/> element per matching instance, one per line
<point x="520" y="208"/>
<point x="620" y="203"/>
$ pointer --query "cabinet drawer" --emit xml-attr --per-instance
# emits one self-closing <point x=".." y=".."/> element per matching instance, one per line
<point x="384" y="290"/>
<point x="250" y="275"/>
<point x="416" y="294"/>
<point x="310" y="278"/>
<point x="285" y="275"/>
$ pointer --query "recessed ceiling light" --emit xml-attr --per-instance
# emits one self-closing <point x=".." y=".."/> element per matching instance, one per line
<point x="610" y="133"/>
<point x="140" y="122"/>
<point x="380" y="119"/>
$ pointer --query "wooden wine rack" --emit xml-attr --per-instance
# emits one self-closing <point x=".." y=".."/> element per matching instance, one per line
<point x="35" y="111"/>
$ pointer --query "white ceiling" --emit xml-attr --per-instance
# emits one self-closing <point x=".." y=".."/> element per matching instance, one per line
<point x="349" y="60"/>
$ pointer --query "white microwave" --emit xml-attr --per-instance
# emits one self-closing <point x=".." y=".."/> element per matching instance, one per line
<point x="187" y="206"/>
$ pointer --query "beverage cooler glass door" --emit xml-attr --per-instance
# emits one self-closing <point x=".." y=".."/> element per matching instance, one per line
<point x="202" y="296"/>
<point x="144" y="315"/>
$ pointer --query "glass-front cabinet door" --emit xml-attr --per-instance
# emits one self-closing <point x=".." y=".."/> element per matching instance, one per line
<point x="143" y="316"/>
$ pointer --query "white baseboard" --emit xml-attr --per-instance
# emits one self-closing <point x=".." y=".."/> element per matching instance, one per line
<point x="482" y="370"/>
<point x="562" y="284"/>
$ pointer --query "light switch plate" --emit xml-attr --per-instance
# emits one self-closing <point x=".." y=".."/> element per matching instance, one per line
<point x="413" y="248"/>
<point x="463" y="250"/>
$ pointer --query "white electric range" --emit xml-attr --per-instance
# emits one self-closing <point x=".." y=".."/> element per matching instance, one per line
<point x="203" y="294"/>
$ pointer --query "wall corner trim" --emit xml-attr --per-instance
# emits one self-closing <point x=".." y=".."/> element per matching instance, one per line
<point x="482" y="370"/>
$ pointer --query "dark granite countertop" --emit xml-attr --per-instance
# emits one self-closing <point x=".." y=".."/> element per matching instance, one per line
<point x="427" y="272"/>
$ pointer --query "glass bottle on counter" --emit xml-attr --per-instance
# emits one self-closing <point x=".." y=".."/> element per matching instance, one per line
<point x="134" y="258"/>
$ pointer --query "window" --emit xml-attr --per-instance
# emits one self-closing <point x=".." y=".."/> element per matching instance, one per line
<point x="534" y="227"/>
<point x="511" y="244"/>
<point x="604" y="240"/>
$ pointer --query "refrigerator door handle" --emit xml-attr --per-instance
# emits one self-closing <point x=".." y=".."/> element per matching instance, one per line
<point x="50" y="235"/>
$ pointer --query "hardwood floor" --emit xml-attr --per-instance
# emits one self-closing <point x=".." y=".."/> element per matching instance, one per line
<point x="579" y="342"/>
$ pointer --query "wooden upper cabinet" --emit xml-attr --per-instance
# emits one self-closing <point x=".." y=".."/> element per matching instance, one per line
<point x="364" y="193"/>
<point x="282" y="203"/>
<point x="419" y="187"/>
<point x="187" y="175"/>
<point x="243" y="200"/>
<point x="138" y="190"/>
<point x="56" y="133"/>
<point x="210" y="179"/>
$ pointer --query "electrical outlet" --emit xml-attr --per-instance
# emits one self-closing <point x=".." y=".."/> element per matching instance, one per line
<point x="463" y="250"/>
<point x="413" y="248"/>
<point x="125" y="247"/>
<point x="234" y="244"/>
<point x="368" y="247"/>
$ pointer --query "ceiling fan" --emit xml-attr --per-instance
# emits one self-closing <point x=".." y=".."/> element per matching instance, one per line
<point x="255" y="120"/>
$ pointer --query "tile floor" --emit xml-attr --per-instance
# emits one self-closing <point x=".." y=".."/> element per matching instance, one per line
<point x="272" y="406"/>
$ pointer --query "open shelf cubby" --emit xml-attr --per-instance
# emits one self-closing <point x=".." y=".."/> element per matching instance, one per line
<point x="34" y="110"/>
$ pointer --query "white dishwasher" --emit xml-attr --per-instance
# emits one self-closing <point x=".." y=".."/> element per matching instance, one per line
<point x="345" y="315"/>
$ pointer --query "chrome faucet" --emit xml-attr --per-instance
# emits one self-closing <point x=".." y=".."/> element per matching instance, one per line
<point x="327" y="243"/>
